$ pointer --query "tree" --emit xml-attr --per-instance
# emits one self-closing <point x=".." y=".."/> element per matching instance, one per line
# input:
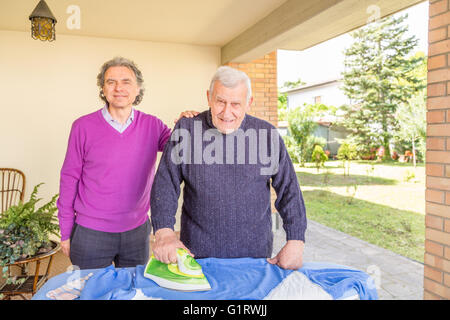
<point x="282" y="106"/>
<point x="412" y="119"/>
<point x="293" y="84"/>
<point x="378" y="78"/>
<point x="411" y="116"/>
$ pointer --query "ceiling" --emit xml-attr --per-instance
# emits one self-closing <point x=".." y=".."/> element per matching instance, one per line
<point x="243" y="29"/>
<point x="199" y="22"/>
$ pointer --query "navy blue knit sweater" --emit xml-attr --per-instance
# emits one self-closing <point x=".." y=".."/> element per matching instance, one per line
<point x="226" y="209"/>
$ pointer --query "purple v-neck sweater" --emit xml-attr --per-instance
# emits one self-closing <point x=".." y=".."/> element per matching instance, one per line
<point x="107" y="176"/>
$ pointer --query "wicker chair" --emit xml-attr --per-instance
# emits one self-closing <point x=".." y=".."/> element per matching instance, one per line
<point x="12" y="187"/>
<point x="12" y="190"/>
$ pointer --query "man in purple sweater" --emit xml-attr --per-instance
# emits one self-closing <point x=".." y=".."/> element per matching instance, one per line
<point x="108" y="173"/>
<point x="227" y="160"/>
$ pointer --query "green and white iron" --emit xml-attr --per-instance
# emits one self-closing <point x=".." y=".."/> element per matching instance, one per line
<point x="185" y="275"/>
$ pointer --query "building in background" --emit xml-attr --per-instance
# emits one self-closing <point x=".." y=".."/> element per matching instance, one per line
<point x="327" y="92"/>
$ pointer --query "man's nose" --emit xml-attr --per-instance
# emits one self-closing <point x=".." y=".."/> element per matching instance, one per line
<point x="118" y="86"/>
<point x="227" y="109"/>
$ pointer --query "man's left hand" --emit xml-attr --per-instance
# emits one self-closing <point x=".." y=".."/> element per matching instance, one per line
<point x="290" y="256"/>
<point x="187" y="114"/>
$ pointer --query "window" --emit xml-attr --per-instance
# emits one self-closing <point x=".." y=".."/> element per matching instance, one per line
<point x="317" y="100"/>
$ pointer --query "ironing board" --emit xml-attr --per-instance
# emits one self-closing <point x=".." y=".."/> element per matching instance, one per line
<point x="294" y="284"/>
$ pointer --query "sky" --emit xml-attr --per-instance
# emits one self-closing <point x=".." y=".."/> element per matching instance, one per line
<point x="316" y="64"/>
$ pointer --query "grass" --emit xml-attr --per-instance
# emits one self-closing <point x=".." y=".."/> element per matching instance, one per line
<point x="334" y="179"/>
<point x="381" y="203"/>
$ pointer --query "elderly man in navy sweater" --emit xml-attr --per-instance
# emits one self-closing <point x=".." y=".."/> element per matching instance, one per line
<point x="227" y="160"/>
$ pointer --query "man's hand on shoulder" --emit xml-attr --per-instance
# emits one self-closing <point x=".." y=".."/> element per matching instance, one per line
<point x="187" y="114"/>
<point x="166" y="244"/>
<point x="290" y="256"/>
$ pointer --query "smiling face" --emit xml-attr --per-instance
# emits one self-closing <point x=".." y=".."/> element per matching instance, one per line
<point x="120" y="87"/>
<point x="228" y="106"/>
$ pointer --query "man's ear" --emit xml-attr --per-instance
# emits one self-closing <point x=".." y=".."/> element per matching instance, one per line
<point x="249" y="104"/>
<point x="207" y="96"/>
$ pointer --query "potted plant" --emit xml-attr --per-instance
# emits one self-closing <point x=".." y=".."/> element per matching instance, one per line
<point x="25" y="231"/>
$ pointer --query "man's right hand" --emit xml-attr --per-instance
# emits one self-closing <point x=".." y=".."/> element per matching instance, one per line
<point x="65" y="247"/>
<point x="166" y="244"/>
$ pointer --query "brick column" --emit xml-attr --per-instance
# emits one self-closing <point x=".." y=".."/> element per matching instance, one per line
<point x="437" y="219"/>
<point x="263" y="75"/>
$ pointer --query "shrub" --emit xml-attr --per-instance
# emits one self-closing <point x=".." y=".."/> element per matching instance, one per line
<point x="346" y="151"/>
<point x="408" y="176"/>
<point x="292" y="149"/>
<point x="319" y="157"/>
<point x="311" y="143"/>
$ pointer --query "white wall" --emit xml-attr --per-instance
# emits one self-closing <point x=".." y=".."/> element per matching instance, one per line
<point x="46" y="86"/>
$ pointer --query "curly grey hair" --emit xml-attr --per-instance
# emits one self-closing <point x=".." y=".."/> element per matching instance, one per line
<point x="230" y="78"/>
<point x="122" y="62"/>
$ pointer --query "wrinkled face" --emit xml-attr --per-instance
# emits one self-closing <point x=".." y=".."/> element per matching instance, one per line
<point x="228" y="106"/>
<point x="120" y="87"/>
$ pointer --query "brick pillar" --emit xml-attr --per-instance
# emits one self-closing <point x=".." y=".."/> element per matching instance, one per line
<point x="263" y="75"/>
<point x="437" y="219"/>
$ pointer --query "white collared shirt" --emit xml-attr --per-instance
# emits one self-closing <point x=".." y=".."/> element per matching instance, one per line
<point x="114" y="123"/>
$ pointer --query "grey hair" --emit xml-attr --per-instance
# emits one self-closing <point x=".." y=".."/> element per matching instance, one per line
<point x="122" y="62"/>
<point x="230" y="78"/>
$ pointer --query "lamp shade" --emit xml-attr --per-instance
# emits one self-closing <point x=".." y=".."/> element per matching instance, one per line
<point x="43" y="22"/>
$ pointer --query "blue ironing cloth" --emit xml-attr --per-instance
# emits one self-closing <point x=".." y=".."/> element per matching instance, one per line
<point x="230" y="279"/>
<point x="237" y="279"/>
<point x="337" y="281"/>
<point x="109" y="284"/>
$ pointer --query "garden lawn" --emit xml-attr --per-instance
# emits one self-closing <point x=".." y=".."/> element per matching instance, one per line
<point x="382" y="204"/>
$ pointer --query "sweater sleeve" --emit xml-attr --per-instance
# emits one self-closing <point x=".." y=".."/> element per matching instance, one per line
<point x="70" y="176"/>
<point x="164" y="136"/>
<point x="166" y="186"/>
<point x="289" y="201"/>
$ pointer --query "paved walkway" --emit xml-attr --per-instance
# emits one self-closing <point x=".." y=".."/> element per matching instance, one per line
<point x="397" y="277"/>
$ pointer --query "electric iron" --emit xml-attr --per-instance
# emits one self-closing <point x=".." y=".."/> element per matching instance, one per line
<point x="185" y="275"/>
